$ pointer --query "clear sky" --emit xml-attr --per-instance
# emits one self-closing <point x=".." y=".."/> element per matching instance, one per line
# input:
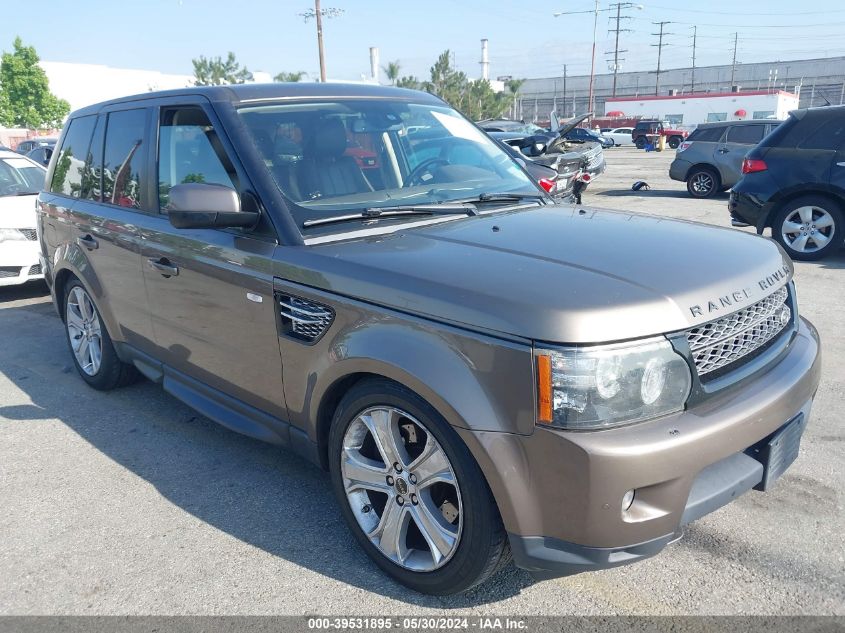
<point x="525" y="40"/>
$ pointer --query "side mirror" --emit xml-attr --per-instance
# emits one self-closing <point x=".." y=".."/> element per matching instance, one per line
<point x="206" y="206"/>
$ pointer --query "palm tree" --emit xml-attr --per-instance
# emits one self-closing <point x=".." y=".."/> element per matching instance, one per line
<point x="392" y="71"/>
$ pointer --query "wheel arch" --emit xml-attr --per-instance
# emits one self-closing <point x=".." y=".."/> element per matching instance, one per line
<point x="702" y="165"/>
<point x="834" y="194"/>
<point x="448" y="381"/>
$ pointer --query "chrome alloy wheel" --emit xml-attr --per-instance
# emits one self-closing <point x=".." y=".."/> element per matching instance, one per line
<point x="83" y="329"/>
<point x="808" y="229"/>
<point x="702" y="183"/>
<point x="401" y="488"/>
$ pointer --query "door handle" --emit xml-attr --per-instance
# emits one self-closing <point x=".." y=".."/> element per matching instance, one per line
<point x="840" y="164"/>
<point x="723" y="150"/>
<point x="86" y="241"/>
<point x="164" y="266"/>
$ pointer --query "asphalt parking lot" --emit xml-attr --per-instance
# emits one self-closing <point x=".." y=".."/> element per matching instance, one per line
<point x="130" y="503"/>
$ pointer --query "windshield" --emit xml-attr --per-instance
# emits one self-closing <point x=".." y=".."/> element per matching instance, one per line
<point x="20" y="177"/>
<point x="352" y="155"/>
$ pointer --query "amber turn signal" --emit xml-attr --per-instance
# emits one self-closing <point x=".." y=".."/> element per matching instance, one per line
<point x="544" y="389"/>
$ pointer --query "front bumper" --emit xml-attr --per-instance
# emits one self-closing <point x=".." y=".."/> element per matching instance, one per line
<point x="560" y="493"/>
<point x="19" y="262"/>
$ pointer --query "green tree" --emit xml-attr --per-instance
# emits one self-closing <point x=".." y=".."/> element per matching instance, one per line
<point x="216" y="71"/>
<point x="409" y="81"/>
<point x="25" y="97"/>
<point x="474" y="97"/>
<point x="392" y="71"/>
<point x="294" y="76"/>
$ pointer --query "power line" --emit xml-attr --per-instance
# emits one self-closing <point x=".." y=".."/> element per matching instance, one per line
<point x="659" y="46"/>
<point x="692" y="79"/>
<point x="733" y="63"/>
<point x="617" y="31"/>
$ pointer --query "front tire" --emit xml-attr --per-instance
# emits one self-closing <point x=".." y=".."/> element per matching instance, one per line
<point x="674" y="142"/>
<point x="703" y="182"/>
<point x="411" y="492"/>
<point x="809" y="227"/>
<point x="90" y="345"/>
<point x="640" y="142"/>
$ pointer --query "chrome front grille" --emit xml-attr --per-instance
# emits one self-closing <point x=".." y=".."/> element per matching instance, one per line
<point x="725" y="341"/>
<point x="303" y="319"/>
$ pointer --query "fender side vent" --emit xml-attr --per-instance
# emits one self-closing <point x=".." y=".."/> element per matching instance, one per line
<point x="303" y="319"/>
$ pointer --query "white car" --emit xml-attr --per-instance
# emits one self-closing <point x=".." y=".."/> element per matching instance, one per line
<point x="620" y="135"/>
<point x="20" y="181"/>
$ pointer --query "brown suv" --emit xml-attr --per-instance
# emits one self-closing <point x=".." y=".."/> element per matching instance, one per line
<point x="485" y="375"/>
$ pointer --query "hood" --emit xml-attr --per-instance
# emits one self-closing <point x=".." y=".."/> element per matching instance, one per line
<point x="573" y="123"/>
<point x="17" y="212"/>
<point x="556" y="273"/>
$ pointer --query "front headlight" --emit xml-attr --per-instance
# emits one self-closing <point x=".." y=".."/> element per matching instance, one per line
<point x="8" y="235"/>
<point x="597" y="387"/>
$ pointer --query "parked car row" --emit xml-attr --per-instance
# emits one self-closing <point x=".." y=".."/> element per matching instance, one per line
<point x="577" y="161"/>
<point x="788" y="177"/>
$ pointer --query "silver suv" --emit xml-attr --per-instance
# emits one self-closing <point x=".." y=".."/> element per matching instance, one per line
<point x="485" y="374"/>
<point x="710" y="160"/>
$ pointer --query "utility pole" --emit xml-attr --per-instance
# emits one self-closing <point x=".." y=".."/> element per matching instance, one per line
<point x="619" y="17"/>
<point x="659" y="46"/>
<point x="733" y="63"/>
<point x="564" y="90"/>
<point x="692" y="79"/>
<point x="317" y="13"/>
<point x="593" y="62"/>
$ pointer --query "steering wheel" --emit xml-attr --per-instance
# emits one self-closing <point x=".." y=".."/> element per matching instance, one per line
<point x="415" y="177"/>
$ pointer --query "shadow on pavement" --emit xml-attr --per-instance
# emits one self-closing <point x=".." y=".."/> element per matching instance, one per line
<point x="29" y="290"/>
<point x="655" y="193"/>
<point x="256" y="492"/>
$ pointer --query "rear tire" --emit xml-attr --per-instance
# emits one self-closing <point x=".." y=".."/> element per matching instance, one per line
<point x="703" y="182"/>
<point x="459" y="519"/>
<point x="674" y="142"/>
<point x="809" y="227"/>
<point x="91" y="347"/>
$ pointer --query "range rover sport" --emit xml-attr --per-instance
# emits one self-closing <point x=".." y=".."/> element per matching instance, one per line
<point x="484" y="374"/>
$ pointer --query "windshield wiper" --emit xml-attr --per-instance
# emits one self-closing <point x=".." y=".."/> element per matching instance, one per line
<point x="462" y="208"/>
<point x="505" y="197"/>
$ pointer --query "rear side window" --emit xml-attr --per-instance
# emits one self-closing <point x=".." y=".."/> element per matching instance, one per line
<point x="190" y="151"/>
<point x="123" y="158"/>
<point x="67" y="175"/>
<point x="746" y="134"/>
<point x="829" y="135"/>
<point x="707" y="134"/>
<point x="783" y="133"/>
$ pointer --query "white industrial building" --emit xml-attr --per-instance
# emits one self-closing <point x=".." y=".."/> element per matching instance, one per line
<point x="84" y="84"/>
<point x="689" y="110"/>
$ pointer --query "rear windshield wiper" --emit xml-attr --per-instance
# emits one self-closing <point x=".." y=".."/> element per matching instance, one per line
<point x="463" y="208"/>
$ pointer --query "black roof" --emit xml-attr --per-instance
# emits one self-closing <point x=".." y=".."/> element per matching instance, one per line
<point x="239" y="93"/>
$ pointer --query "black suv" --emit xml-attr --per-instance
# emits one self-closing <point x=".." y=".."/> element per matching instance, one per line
<point x="794" y="182"/>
